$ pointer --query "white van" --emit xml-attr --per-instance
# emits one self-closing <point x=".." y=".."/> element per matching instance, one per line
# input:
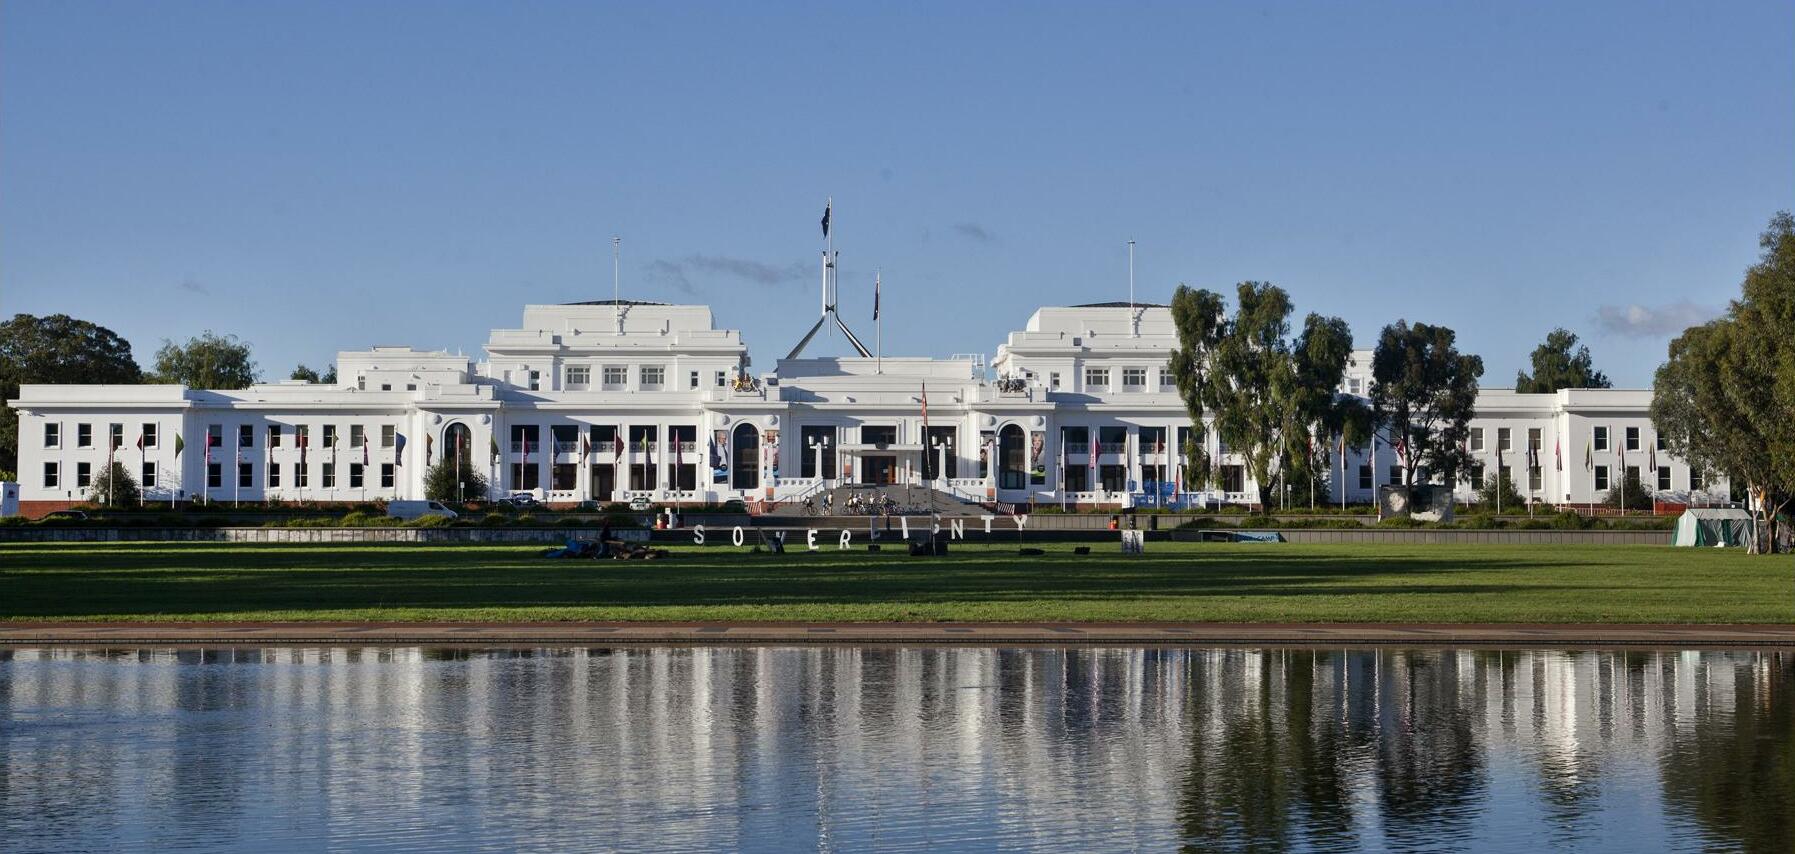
<point x="415" y="509"/>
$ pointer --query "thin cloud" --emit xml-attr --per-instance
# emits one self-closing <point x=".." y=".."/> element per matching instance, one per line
<point x="191" y="285"/>
<point x="974" y="231"/>
<point x="668" y="273"/>
<point x="1641" y="321"/>
<point x="679" y="274"/>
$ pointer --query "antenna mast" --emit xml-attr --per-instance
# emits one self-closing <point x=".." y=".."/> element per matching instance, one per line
<point x="617" y="281"/>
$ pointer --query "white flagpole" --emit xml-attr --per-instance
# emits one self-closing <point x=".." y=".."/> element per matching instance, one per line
<point x="1131" y="281"/>
<point x="878" y="330"/>
<point x="617" y="281"/>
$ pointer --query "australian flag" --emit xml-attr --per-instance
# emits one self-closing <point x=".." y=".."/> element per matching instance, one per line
<point x="826" y="208"/>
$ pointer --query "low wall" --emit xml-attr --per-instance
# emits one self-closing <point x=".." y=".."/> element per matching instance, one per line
<point x="795" y="533"/>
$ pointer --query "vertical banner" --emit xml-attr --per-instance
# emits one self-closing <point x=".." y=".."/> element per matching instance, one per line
<point x="720" y="456"/>
<point x="1037" y="458"/>
<point x="771" y="437"/>
<point x="987" y="441"/>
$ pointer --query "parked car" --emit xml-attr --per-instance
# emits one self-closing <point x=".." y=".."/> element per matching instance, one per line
<point x="65" y="516"/>
<point x="520" y="499"/>
<point x="416" y="509"/>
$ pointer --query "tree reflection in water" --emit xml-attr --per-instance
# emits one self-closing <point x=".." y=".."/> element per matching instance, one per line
<point x="1072" y="749"/>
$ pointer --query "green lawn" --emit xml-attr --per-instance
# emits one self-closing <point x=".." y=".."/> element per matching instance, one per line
<point x="1188" y="582"/>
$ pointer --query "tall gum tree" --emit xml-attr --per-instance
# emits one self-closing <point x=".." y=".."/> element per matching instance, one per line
<point x="1423" y="393"/>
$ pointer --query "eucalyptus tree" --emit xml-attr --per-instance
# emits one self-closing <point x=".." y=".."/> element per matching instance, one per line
<point x="209" y="360"/>
<point x="1271" y="397"/>
<point x="1725" y="399"/>
<point x="1557" y="365"/>
<point x="55" y="348"/>
<point x="1423" y="393"/>
<point x="1199" y="316"/>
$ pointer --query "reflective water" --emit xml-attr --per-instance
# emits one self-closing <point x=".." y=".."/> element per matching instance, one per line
<point x="889" y="748"/>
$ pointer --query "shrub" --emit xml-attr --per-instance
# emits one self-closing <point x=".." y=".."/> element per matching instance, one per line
<point x="1402" y="522"/>
<point x="494" y="519"/>
<point x="1565" y="520"/>
<point x="570" y="522"/>
<point x="526" y="520"/>
<point x="430" y="522"/>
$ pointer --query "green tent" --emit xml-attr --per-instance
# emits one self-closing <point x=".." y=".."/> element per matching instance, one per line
<point x="1712" y="526"/>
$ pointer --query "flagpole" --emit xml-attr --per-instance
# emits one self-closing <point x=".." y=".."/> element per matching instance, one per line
<point x="878" y="329"/>
<point x="617" y="281"/>
<point x="1131" y="281"/>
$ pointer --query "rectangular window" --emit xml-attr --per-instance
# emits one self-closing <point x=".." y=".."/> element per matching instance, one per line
<point x="1395" y="475"/>
<point x="358" y="435"/>
<point x="1477" y="474"/>
<point x="1476" y="439"/>
<point x="301" y="477"/>
<point x="616" y="376"/>
<point x="1364" y="476"/>
<point x="274" y="435"/>
<point x="1134" y="379"/>
<point x="1632" y="475"/>
<point x="83" y="475"/>
<point x="387" y="434"/>
<point x="83" y="435"/>
<point x="1663" y="478"/>
<point x="1535" y="479"/>
<point x="327" y="476"/>
<point x="355" y="475"/>
<point x="694" y="382"/>
<point x="302" y="434"/>
<point x="1601" y="477"/>
<point x="1533" y="438"/>
<point x="149" y="474"/>
<point x="274" y="475"/>
<point x="246" y="436"/>
<point x="1696" y="480"/>
<point x="1601" y="438"/>
<point x="535" y="380"/>
<point x="361" y="383"/>
<point x="52" y="434"/>
<point x="330" y="435"/>
<point x="1167" y="382"/>
<point x="1661" y="445"/>
<point x="653" y="377"/>
<point x="386" y="475"/>
<point x="246" y="476"/>
<point x="578" y="376"/>
<point x="1096" y="379"/>
<point x="386" y="386"/>
<point x="1632" y="438"/>
<point x="722" y="379"/>
<point x="214" y="475"/>
<point x="52" y="476"/>
<point x="117" y="433"/>
<point x="411" y="386"/>
<point x="150" y="434"/>
<point x="1234" y="478"/>
<point x="1053" y="380"/>
<point x="1504" y="441"/>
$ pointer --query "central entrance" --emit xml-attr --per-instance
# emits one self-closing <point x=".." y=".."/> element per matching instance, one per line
<point x="878" y="469"/>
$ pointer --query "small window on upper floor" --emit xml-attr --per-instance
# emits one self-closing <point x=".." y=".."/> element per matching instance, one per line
<point x="1504" y="440"/>
<point x="1096" y="379"/>
<point x="83" y="435"/>
<point x="616" y="376"/>
<point x="578" y="376"/>
<point x="653" y="376"/>
<point x="722" y="379"/>
<point x="1632" y="438"/>
<point x="1134" y="379"/>
<point x="1601" y="439"/>
<point x="1476" y="439"/>
<point x="1053" y="380"/>
<point x="52" y="434"/>
<point x="535" y="380"/>
<point x="694" y="383"/>
<point x="361" y="383"/>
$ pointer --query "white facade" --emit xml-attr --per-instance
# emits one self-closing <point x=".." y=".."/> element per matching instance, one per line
<point x="611" y="402"/>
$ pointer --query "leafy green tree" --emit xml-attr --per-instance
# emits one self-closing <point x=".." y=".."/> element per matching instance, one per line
<point x="1725" y="399"/>
<point x="1270" y="396"/>
<point x="208" y="361"/>
<point x="304" y="373"/>
<point x="55" y="349"/>
<point x="1556" y="366"/>
<point x="1198" y="315"/>
<point x="114" y="487"/>
<point x="1423" y="392"/>
<point x="447" y="481"/>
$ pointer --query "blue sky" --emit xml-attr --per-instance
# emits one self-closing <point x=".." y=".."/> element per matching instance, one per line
<point x="315" y="177"/>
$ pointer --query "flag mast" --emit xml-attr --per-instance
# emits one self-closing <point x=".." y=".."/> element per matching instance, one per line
<point x="878" y="329"/>
<point x="617" y="281"/>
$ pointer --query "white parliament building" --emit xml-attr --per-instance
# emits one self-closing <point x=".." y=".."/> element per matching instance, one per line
<point x="619" y="400"/>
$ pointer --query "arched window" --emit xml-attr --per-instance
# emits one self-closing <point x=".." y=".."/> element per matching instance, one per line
<point x="1012" y="458"/>
<point x="745" y="473"/>
<point x="458" y="444"/>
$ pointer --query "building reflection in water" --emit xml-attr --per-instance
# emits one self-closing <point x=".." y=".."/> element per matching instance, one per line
<point x="854" y="748"/>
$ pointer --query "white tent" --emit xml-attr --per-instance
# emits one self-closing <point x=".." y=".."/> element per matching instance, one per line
<point x="1713" y="526"/>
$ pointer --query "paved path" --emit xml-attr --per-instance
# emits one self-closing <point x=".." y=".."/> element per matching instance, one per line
<point x="1057" y="634"/>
